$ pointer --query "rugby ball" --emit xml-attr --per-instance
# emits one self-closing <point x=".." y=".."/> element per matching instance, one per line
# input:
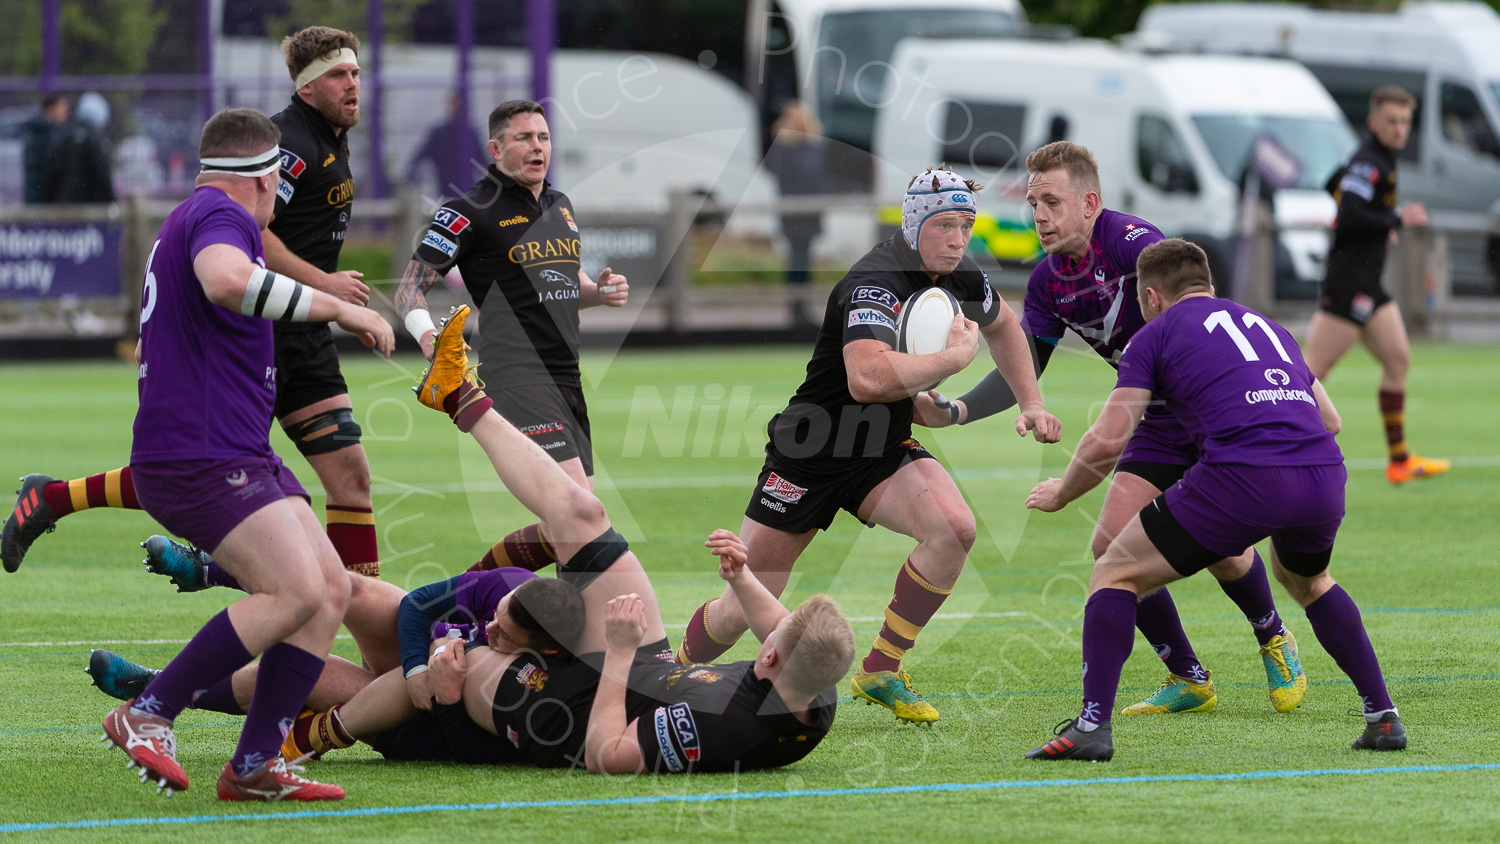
<point x="924" y="322"/>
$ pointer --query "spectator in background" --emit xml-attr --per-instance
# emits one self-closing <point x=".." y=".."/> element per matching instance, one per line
<point x="42" y="131"/>
<point x="796" y="157"/>
<point x="456" y="154"/>
<point x="78" y="169"/>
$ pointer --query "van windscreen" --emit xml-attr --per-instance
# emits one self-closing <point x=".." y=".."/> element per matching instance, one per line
<point x="1321" y="145"/>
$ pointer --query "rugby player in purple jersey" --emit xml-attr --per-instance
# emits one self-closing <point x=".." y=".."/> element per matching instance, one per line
<point x="1087" y="285"/>
<point x="1268" y="466"/>
<point x="204" y="468"/>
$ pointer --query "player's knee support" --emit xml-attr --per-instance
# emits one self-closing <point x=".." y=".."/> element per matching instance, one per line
<point x="1302" y="563"/>
<point x="593" y="559"/>
<point x="325" y="433"/>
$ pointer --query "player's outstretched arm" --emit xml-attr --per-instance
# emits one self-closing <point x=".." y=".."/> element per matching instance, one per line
<point x="762" y="610"/>
<point x="410" y="302"/>
<point x="879" y="373"/>
<point x="610" y="746"/>
<point x="1012" y="356"/>
<point x="230" y="279"/>
<point x="1331" y="419"/>
<point x="344" y="284"/>
<point x="1097" y="452"/>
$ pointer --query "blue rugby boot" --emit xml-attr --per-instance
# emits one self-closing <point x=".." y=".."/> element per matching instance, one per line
<point x="117" y="676"/>
<point x="187" y="566"/>
<point x="1177" y="694"/>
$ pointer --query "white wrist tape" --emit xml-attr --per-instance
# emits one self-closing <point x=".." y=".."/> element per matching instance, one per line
<point x="419" y="322"/>
<point x="415" y="671"/>
<point x="272" y="296"/>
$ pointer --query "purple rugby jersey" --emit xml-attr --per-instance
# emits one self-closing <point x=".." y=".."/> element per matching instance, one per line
<point x="1237" y="382"/>
<point x="207" y="377"/>
<point x="1094" y="297"/>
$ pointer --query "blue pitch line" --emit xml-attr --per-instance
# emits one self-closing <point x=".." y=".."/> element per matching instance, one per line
<point x="378" y="811"/>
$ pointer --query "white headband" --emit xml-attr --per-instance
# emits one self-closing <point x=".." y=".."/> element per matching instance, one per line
<point x="934" y="192"/>
<point x="251" y="165"/>
<point x="321" y="66"/>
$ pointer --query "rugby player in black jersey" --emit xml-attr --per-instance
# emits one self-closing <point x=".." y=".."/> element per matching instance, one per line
<point x="514" y="238"/>
<point x="844" y="440"/>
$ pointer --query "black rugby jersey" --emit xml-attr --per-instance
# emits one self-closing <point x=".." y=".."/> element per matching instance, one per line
<point x="823" y="420"/>
<point x="519" y="256"/>
<point x="1365" y="190"/>
<point x="316" y="194"/>
<point x="706" y="718"/>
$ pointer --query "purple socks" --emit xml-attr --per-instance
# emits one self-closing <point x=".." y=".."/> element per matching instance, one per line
<point x="218" y="698"/>
<point x="287" y="675"/>
<point x="1252" y="594"/>
<point x="215" y="575"/>
<point x="1108" y="633"/>
<point x="212" y="655"/>
<point x="1335" y="621"/>
<point x="1157" y="619"/>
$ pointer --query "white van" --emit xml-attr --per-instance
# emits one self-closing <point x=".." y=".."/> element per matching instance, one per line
<point x="1445" y="54"/>
<point x="1171" y="133"/>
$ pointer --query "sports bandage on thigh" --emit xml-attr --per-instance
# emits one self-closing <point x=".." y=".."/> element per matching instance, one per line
<point x="593" y="559"/>
<point x="325" y="432"/>
<point x="273" y="296"/>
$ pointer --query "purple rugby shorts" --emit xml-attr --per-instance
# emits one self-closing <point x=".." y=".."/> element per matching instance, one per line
<point x="1229" y="507"/>
<point x="203" y="500"/>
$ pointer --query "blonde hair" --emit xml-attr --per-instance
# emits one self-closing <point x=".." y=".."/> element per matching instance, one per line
<point x="1173" y="267"/>
<point x="1391" y="94"/>
<point x="817" y="645"/>
<point x="1083" y="171"/>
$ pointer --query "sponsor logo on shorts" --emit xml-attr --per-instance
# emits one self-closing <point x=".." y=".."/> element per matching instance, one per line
<point x="515" y="737"/>
<point x="284" y="190"/>
<point x="568" y="218"/>
<point x="779" y="487"/>
<point x="869" y="316"/>
<point x="550" y="446"/>
<point x="451" y="220"/>
<point x="237" y="478"/>
<point x="686" y="730"/>
<point x="876" y="295"/>
<point x="519" y="219"/>
<point x="440" y="243"/>
<point x="664" y="741"/>
<point x="1361" y="307"/>
<point x="774" y="505"/>
<point x="532" y="677"/>
<point x="291" y="164"/>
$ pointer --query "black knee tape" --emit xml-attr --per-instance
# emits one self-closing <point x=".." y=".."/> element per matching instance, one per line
<point x="593" y="559"/>
<point x="1300" y="562"/>
<point x="1186" y="555"/>
<point x="325" y="433"/>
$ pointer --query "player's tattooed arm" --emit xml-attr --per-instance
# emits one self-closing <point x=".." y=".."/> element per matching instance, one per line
<point x="411" y="293"/>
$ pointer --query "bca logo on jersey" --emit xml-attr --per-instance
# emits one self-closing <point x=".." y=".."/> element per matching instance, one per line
<point x="292" y="164"/>
<point x="876" y="295"/>
<point x="686" y="730"/>
<point x="450" y="220"/>
<point x="779" y="487"/>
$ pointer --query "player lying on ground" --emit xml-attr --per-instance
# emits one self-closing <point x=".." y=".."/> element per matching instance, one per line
<point x="1087" y="285"/>
<point x="761" y="713"/>
<point x="1269" y="466"/>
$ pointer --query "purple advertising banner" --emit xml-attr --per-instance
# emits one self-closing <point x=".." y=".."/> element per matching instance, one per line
<point x="52" y="260"/>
